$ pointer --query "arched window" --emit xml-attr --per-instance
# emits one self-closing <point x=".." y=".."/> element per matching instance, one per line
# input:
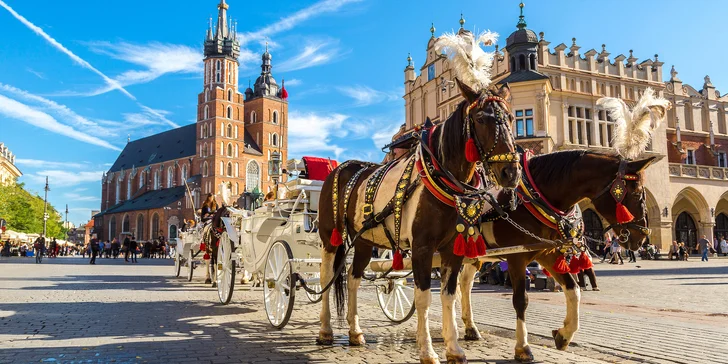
<point x="204" y="130"/>
<point x="222" y="168"/>
<point x="217" y="72"/>
<point x="118" y="191"/>
<point x="230" y="129"/>
<point x="274" y="140"/>
<point x="128" y="187"/>
<point x="229" y="150"/>
<point x="157" y="182"/>
<point x="125" y="224"/>
<point x="155" y="227"/>
<point x="183" y="174"/>
<point x="206" y="114"/>
<point x="207" y="92"/>
<point x="275" y="117"/>
<point x="170" y="177"/>
<point x="141" y="179"/>
<point x="230" y="94"/>
<point x="222" y="148"/>
<point x="721" y="227"/>
<point x="592" y="228"/>
<point x="236" y="131"/>
<point x="237" y="169"/>
<point x="112" y="227"/>
<point x="229" y="112"/>
<point x="532" y="58"/>
<point x="204" y="169"/>
<point x="253" y="117"/>
<point x="172" y="232"/>
<point x="140" y="227"/>
<point x="236" y="151"/>
<point x="513" y="64"/>
<point x="685" y="231"/>
<point x="252" y="176"/>
<point x="521" y="62"/>
<point x="236" y="191"/>
<point x="229" y="169"/>
<point x="204" y="150"/>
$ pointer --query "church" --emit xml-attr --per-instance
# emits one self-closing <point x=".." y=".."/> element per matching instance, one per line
<point x="144" y="192"/>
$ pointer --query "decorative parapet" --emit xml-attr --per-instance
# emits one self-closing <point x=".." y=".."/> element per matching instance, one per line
<point x="699" y="172"/>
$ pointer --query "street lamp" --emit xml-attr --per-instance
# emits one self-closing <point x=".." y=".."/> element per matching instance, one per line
<point x="664" y="212"/>
<point x="274" y="170"/>
<point x="45" y="207"/>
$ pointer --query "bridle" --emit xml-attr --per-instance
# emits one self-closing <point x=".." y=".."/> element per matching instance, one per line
<point x="502" y="130"/>
<point x="617" y="189"/>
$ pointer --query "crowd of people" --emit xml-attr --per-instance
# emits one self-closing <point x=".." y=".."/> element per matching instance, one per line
<point x="130" y="248"/>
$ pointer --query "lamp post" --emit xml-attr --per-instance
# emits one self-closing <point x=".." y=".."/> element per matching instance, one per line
<point x="45" y="207"/>
<point x="274" y="170"/>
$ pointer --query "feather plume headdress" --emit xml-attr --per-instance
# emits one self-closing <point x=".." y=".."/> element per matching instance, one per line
<point x="635" y="127"/>
<point x="472" y="65"/>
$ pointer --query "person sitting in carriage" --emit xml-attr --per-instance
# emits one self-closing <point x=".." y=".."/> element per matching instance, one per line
<point x="208" y="208"/>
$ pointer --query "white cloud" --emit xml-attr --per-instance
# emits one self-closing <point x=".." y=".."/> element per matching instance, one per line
<point x="80" y="189"/>
<point x="309" y="133"/>
<point x="36" y="73"/>
<point x="315" y="53"/>
<point x="36" y="163"/>
<point x="364" y="95"/>
<point x="19" y="111"/>
<point x="78" y="198"/>
<point x="37" y="30"/>
<point x="294" y="82"/>
<point x="384" y="136"/>
<point x="64" y="178"/>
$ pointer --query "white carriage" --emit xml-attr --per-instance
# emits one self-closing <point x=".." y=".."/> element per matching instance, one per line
<point x="279" y="243"/>
<point x="187" y="252"/>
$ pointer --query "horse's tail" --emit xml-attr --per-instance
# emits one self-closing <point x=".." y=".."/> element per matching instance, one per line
<point x="340" y="282"/>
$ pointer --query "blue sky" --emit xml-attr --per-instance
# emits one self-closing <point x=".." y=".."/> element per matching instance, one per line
<point x="78" y="77"/>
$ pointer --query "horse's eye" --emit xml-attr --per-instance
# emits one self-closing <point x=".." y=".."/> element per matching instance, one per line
<point x="480" y="115"/>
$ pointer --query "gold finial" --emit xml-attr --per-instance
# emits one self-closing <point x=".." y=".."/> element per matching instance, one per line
<point x="462" y="20"/>
<point x="432" y="30"/>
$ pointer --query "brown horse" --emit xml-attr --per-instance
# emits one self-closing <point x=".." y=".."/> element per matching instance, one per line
<point x="427" y="223"/>
<point x="211" y="238"/>
<point x="562" y="179"/>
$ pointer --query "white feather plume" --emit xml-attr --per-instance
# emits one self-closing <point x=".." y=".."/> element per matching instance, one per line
<point x="472" y="65"/>
<point x="635" y="127"/>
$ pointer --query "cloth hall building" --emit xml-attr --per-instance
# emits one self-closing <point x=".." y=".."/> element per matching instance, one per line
<point x="144" y="194"/>
<point x="555" y="89"/>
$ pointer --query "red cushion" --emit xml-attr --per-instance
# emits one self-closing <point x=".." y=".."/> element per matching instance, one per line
<point x="319" y="168"/>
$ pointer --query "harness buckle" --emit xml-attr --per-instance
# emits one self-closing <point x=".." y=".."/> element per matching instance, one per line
<point x="367" y="209"/>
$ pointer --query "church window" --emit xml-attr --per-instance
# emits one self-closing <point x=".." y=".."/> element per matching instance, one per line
<point x="207" y="95"/>
<point x="229" y="150"/>
<point x="222" y="129"/>
<point x="253" y="117"/>
<point x="252" y="176"/>
<point x="217" y="72"/>
<point x="532" y="59"/>
<point x="211" y="151"/>
<point x="430" y="72"/>
<point x="222" y="149"/>
<point x="236" y="191"/>
<point x="237" y="169"/>
<point x="236" y="151"/>
<point x="128" y="187"/>
<point x="274" y="140"/>
<point x="183" y="176"/>
<point x="157" y="183"/>
<point x="513" y="64"/>
<point x="229" y="169"/>
<point x="230" y="94"/>
<point x="170" y="177"/>
<point x="204" y="169"/>
<point x="118" y="192"/>
<point x="229" y="112"/>
<point x="275" y="117"/>
<point x="206" y="114"/>
<point x="236" y="131"/>
<point x="230" y="130"/>
<point x="141" y="179"/>
<point x="521" y="62"/>
<point x="204" y="150"/>
<point x="222" y="168"/>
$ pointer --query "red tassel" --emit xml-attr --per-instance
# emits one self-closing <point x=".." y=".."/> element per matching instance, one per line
<point x="471" y="151"/>
<point x="217" y="243"/>
<point x="470" y="250"/>
<point x="586" y="262"/>
<point x="203" y="246"/>
<point x="398" y="262"/>
<point x="480" y="246"/>
<point x="206" y="256"/>
<point x="574" y="265"/>
<point x="546" y="273"/>
<point x="560" y="265"/>
<point x="459" y="248"/>
<point x="336" y="238"/>
<point x="623" y="215"/>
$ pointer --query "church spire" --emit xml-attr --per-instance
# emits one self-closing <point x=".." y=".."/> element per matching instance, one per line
<point x="222" y="26"/>
<point x="521" y="19"/>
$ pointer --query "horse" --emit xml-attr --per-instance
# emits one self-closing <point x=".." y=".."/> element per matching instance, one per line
<point x="421" y="219"/>
<point x="560" y="180"/>
<point x="211" y="237"/>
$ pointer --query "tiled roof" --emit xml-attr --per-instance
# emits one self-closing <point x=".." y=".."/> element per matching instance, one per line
<point x="523" y="76"/>
<point x="157" y="148"/>
<point x="149" y="200"/>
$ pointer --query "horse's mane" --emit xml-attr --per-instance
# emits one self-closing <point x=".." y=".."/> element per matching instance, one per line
<point x="450" y="141"/>
<point x="557" y="167"/>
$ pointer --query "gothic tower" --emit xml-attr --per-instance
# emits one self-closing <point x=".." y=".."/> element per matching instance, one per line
<point x="220" y="110"/>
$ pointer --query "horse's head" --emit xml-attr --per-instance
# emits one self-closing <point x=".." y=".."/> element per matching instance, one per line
<point x="623" y="203"/>
<point x="487" y="122"/>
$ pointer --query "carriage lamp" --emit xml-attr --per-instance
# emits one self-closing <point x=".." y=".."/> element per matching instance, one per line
<point x="274" y="166"/>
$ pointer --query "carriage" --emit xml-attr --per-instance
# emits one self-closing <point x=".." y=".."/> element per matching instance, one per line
<point x="187" y="252"/>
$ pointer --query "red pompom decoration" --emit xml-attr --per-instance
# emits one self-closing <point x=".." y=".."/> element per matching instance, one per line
<point x="623" y="215"/>
<point x="459" y="248"/>
<point x="560" y="265"/>
<point x="586" y="262"/>
<point x="203" y="246"/>
<point x="546" y="273"/>
<point x="470" y="250"/>
<point x="336" y="238"/>
<point x="206" y="256"/>
<point x="398" y="261"/>
<point x="480" y="246"/>
<point x="471" y="151"/>
<point x="574" y="265"/>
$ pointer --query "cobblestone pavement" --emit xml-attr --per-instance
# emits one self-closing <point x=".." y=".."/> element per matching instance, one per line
<point x="65" y="310"/>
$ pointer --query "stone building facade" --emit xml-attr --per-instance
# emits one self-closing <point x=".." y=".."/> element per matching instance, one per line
<point x="157" y="182"/>
<point x="9" y="173"/>
<point x="555" y="90"/>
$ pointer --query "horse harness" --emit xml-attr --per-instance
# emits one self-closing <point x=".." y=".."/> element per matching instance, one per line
<point x="617" y="189"/>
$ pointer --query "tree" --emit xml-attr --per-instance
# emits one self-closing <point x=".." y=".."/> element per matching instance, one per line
<point x="23" y="212"/>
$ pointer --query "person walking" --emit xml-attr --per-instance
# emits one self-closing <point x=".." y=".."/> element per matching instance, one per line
<point x="704" y="247"/>
<point x="94" y="246"/>
<point x="39" y="248"/>
<point x="631" y="255"/>
<point x="724" y="246"/>
<point x="133" y="248"/>
<point x="607" y="247"/>
<point x="125" y="248"/>
<point x="592" y="279"/>
<point x="616" y="251"/>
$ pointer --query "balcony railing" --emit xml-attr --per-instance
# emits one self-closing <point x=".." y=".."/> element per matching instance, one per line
<point x="697" y="171"/>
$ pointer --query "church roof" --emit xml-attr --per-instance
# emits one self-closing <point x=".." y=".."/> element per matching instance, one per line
<point x="150" y="200"/>
<point x="169" y="145"/>
<point x="251" y="147"/>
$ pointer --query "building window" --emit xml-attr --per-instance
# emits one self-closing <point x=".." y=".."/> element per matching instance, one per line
<point x="236" y="128"/>
<point x="229" y="150"/>
<point x="222" y="168"/>
<point x="183" y="177"/>
<point x="229" y="169"/>
<point x="172" y="232"/>
<point x="606" y="127"/>
<point x="580" y="125"/>
<point x="170" y="177"/>
<point x="155" y="226"/>
<point x="204" y="169"/>
<point x="140" y="227"/>
<point x="524" y="123"/>
<point x="430" y="72"/>
<point x="521" y="62"/>
<point x="532" y="60"/>
<point x="274" y="140"/>
<point x="721" y="159"/>
<point x="128" y="187"/>
<point x="237" y="170"/>
<point x="112" y="228"/>
<point x="230" y="131"/>
<point x="252" y="176"/>
<point x="207" y="93"/>
<point x="125" y="224"/>
<point x="141" y="179"/>
<point x="513" y="64"/>
<point x="253" y="117"/>
<point x="230" y="94"/>
<point x="691" y="157"/>
<point x="229" y="112"/>
<point x="157" y="182"/>
<point x="275" y="117"/>
<point x="217" y="72"/>
<point x="118" y="192"/>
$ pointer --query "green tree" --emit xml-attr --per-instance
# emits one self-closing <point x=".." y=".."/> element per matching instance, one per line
<point x="23" y="212"/>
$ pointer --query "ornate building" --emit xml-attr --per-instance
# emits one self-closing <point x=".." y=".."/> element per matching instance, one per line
<point x="554" y="101"/>
<point x="144" y="192"/>
<point x="9" y="173"/>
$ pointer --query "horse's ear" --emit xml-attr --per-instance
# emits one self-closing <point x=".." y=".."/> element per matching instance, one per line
<point x="467" y="92"/>
<point x="640" y="165"/>
<point x="505" y="92"/>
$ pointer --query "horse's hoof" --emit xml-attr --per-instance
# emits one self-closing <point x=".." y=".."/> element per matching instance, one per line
<point x="357" y="339"/>
<point x="471" y="334"/>
<point x="434" y="360"/>
<point x="208" y="281"/>
<point x="214" y="284"/>
<point x="560" y="342"/>
<point x="524" y="355"/>
<point x="455" y="359"/>
<point x="325" y="338"/>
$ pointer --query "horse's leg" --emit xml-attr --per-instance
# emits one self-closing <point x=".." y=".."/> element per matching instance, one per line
<point x="326" y="334"/>
<point x="564" y="335"/>
<point x="466" y="287"/>
<point x="517" y="273"/>
<point x="448" y="293"/>
<point x="362" y="256"/>
<point x="422" y="267"/>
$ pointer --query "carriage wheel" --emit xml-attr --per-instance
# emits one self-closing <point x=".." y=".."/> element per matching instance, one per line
<point x="279" y="288"/>
<point x="190" y="266"/>
<point x="177" y="264"/>
<point x="225" y="272"/>
<point x="314" y="298"/>
<point x="397" y="299"/>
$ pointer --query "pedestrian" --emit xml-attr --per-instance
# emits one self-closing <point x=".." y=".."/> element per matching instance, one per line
<point x="631" y="255"/>
<point x="100" y="251"/>
<point x="723" y="246"/>
<point x="592" y="279"/>
<point x="607" y="247"/>
<point x="674" y="248"/>
<point x="616" y="251"/>
<point x="133" y="248"/>
<point x="704" y="247"/>
<point x="94" y="246"/>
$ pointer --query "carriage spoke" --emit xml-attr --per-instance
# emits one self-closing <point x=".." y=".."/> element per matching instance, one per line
<point x="398" y="301"/>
